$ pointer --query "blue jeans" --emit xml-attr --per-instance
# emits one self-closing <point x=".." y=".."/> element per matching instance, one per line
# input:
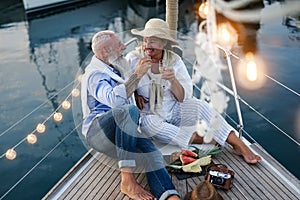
<point x="115" y="133"/>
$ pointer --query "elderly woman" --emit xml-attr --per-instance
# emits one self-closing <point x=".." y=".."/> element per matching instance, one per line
<point x="164" y="96"/>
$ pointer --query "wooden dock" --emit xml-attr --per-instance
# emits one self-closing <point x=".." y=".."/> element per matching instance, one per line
<point x="91" y="178"/>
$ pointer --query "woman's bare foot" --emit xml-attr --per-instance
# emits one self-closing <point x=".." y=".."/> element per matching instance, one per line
<point x="247" y="154"/>
<point x="132" y="189"/>
<point x="196" y="139"/>
<point x="240" y="148"/>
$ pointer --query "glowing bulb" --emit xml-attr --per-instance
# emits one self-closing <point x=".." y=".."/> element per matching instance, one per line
<point x="224" y="33"/>
<point x="203" y="10"/>
<point x="57" y="116"/>
<point x="79" y="77"/>
<point x="41" y="128"/>
<point x="11" y="154"/>
<point x="75" y="92"/>
<point x="251" y="68"/>
<point x="31" y="138"/>
<point x="251" y="71"/>
<point x="66" y="104"/>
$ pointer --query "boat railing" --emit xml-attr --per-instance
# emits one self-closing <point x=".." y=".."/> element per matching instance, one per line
<point x="237" y="98"/>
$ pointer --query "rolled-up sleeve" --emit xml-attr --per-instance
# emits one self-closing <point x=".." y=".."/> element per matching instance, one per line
<point x="106" y="90"/>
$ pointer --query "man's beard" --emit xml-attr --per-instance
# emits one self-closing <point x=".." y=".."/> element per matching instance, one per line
<point x="120" y="64"/>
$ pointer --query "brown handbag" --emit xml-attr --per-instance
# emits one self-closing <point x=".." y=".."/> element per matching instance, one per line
<point x="220" y="176"/>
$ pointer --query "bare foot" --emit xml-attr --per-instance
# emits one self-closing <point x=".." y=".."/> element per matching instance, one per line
<point x="132" y="189"/>
<point x="196" y="139"/>
<point x="247" y="154"/>
<point x="241" y="149"/>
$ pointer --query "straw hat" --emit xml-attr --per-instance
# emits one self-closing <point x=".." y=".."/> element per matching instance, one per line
<point x="203" y="191"/>
<point x="156" y="28"/>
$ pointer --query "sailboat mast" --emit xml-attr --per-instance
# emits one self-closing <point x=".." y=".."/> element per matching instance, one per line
<point x="172" y="16"/>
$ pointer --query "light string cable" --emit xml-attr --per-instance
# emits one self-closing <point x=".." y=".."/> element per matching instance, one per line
<point x="39" y="162"/>
<point x="53" y="113"/>
<point x="38" y="107"/>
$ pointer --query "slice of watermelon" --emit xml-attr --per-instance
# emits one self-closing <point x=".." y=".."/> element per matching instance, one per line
<point x="186" y="159"/>
<point x="189" y="153"/>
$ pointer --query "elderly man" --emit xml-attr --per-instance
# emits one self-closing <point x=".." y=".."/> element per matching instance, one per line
<point x="111" y="120"/>
<point x="165" y="96"/>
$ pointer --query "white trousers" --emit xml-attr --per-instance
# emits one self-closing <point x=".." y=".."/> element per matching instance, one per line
<point x="186" y="114"/>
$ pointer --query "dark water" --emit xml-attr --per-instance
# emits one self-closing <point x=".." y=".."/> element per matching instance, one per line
<point x="40" y="58"/>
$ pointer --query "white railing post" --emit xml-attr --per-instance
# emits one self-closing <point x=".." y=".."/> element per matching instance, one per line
<point x="235" y="94"/>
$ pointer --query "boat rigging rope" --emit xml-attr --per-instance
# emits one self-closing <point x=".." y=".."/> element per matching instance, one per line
<point x="254" y="110"/>
<point x="289" y="89"/>
<point x="38" y="107"/>
<point x="38" y="163"/>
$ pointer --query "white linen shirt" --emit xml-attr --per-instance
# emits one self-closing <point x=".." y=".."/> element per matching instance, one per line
<point x="171" y="60"/>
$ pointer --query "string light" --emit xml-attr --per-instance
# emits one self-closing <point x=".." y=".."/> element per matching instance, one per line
<point x="227" y="35"/>
<point x="41" y="128"/>
<point x="251" y="72"/>
<point x="66" y="105"/>
<point x="57" y="116"/>
<point x="31" y="138"/>
<point x="11" y="154"/>
<point x="203" y="10"/>
<point x="75" y="92"/>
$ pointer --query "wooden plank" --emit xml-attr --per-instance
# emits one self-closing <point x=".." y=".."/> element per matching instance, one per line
<point x="81" y="185"/>
<point x="104" y="181"/>
<point x="100" y="181"/>
<point x="68" y="175"/>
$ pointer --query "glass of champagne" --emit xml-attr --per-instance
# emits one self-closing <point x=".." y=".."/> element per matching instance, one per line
<point x="161" y="68"/>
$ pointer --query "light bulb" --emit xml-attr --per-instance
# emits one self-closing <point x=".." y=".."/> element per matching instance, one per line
<point x="251" y="71"/>
<point x="251" y="67"/>
<point x="41" y="128"/>
<point x="31" y="138"/>
<point x="66" y="104"/>
<point x="57" y="116"/>
<point x="203" y="10"/>
<point x="79" y="77"/>
<point x="11" y="154"/>
<point x="75" y="92"/>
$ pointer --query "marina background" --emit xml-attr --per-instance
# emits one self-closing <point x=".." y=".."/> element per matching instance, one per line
<point x="41" y="56"/>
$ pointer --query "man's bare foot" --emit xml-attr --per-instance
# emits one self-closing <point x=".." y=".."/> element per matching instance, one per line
<point x="132" y="189"/>
<point x="240" y="148"/>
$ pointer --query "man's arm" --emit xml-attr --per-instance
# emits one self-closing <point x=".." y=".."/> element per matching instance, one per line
<point x="141" y="68"/>
<point x="131" y="84"/>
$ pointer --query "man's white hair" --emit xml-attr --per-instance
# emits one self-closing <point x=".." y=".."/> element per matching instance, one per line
<point x="100" y="38"/>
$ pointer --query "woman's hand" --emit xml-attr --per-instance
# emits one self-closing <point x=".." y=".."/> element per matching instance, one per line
<point x="168" y="74"/>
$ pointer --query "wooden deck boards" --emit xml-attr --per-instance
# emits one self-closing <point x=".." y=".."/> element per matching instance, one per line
<point x="260" y="181"/>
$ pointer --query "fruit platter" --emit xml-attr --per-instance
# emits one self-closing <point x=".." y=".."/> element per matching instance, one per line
<point x="191" y="160"/>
